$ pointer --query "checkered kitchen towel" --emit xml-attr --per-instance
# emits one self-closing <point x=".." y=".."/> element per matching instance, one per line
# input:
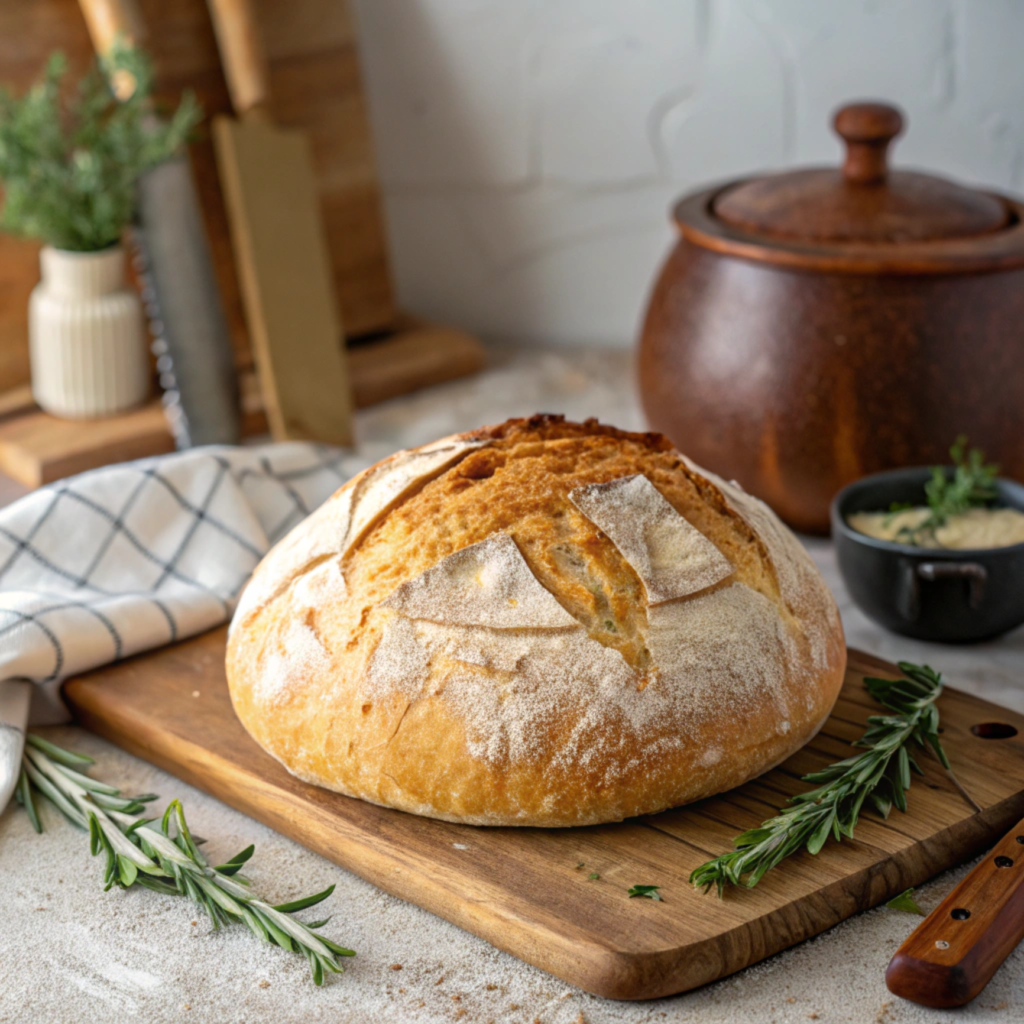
<point x="130" y="557"/>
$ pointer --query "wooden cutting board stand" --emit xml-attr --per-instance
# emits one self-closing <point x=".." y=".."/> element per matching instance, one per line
<point x="522" y="889"/>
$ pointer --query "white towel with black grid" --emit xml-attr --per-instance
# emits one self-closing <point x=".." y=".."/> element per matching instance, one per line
<point x="130" y="557"/>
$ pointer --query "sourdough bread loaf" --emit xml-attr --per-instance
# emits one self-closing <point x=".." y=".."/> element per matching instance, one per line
<point x="539" y="623"/>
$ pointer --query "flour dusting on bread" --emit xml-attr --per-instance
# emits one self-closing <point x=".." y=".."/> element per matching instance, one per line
<point x="719" y="654"/>
<point x="286" y="668"/>
<point x="485" y="584"/>
<point x="671" y="557"/>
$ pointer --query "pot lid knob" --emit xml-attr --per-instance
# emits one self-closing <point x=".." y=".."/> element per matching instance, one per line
<point x="864" y="203"/>
<point x="867" y="129"/>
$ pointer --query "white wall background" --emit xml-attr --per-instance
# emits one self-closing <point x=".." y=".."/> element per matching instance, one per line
<point x="529" y="149"/>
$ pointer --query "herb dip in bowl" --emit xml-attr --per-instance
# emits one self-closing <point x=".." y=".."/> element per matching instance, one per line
<point x="940" y="592"/>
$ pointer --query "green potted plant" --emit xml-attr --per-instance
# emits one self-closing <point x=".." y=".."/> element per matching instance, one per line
<point x="69" y="164"/>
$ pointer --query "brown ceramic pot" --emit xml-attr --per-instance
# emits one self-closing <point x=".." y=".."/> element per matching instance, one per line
<point x="815" y="326"/>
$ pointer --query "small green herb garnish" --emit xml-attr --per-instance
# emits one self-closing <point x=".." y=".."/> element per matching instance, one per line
<point x="972" y="485"/>
<point x="165" y="859"/>
<point x="879" y="776"/>
<point x="593" y="876"/>
<point x="906" y="902"/>
<point x="648" y="891"/>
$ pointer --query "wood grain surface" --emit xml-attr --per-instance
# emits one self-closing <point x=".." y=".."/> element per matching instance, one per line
<point x="314" y="87"/>
<point x="521" y="889"/>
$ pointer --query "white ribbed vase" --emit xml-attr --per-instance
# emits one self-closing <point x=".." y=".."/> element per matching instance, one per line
<point x="86" y="335"/>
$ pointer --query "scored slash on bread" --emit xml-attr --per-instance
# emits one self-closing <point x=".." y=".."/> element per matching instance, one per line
<point x="671" y="557"/>
<point x="539" y="623"/>
<point x="485" y="584"/>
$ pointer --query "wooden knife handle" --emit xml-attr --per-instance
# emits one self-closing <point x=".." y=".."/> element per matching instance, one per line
<point x="954" y="952"/>
<point x="245" y="64"/>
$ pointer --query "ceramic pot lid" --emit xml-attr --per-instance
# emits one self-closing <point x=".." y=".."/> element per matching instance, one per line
<point x="864" y="202"/>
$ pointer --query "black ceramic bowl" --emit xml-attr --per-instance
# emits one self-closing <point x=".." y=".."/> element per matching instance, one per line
<point x="929" y="593"/>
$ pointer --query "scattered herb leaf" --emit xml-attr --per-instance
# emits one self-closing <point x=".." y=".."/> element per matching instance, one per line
<point x="648" y="891"/>
<point x="906" y="902"/>
<point x="593" y="876"/>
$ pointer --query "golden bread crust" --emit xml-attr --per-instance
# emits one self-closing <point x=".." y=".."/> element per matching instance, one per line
<point x="451" y="635"/>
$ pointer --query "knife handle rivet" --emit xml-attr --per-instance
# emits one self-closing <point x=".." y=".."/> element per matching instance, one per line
<point x="941" y="944"/>
<point x="1020" y="839"/>
<point x="1004" y="862"/>
<point x="959" y="913"/>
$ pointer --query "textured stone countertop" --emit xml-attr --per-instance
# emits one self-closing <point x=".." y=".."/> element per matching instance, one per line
<point x="70" y="952"/>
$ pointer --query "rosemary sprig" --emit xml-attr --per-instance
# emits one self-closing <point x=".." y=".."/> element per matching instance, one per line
<point x="166" y="859"/>
<point x="972" y="485"/>
<point x="880" y="777"/>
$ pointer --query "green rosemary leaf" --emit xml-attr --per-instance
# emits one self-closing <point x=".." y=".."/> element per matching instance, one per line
<point x="317" y="924"/>
<point x="335" y="948"/>
<point x="25" y="793"/>
<point x="308" y="901"/>
<point x="256" y="926"/>
<point x="276" y="934"/>
<point x="127" y="870"/>
<point x="92" y="785"/>
<point x="137" y="824"/>
<point x="55" y="796"/>
<point x="230" y="869"/>
<point x="95" y="836"/>
<point x="317" y="968"/>
<point x="239" y="858"/>
<point x="648" y="891"/>
<point x="157" y="886"/>
<point x="58" y="754"/>
<point x="906" y="902"/>
<point x="593" y="877"/>
<point x="880" y="776"/>
<point x="820" y="834"/>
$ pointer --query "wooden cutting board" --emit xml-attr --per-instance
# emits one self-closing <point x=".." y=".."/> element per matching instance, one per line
<point x="522" y="889"/>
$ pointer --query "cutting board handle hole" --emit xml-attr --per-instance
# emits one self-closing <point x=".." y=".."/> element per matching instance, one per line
<point x="994" y="730"/>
